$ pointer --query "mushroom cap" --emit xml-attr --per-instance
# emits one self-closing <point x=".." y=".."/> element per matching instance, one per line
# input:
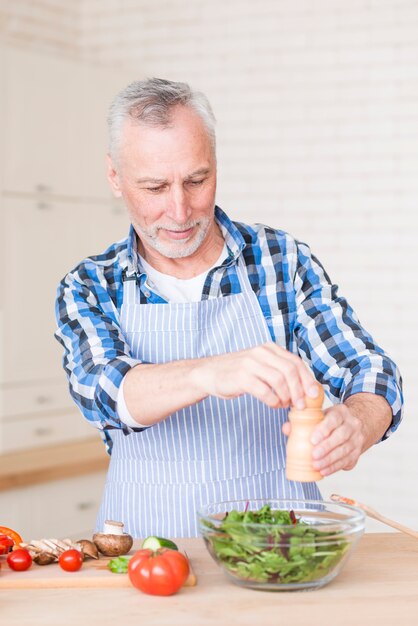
<point x="113" y="545"/>
<point x="88" y="548"/>
<point x="44" y="558"/>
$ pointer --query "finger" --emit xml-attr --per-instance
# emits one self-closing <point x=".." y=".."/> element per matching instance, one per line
<point x="323" y="459"/>
<point x="270" y="386"/>
<point x="281" y="366"/>
<point x="277" y="380"/>
<point x="333" y="419"/>
<point x="262" y="391"/>
<point x="309" y="386"/>
<point x="337" y="438"/>
<point x="287" y="429"/>
<point x="293" y="384"/>
<point x="343" y="457"/>
<point x="244" y="377"/>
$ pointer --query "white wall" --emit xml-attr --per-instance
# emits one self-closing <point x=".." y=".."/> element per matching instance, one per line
<point x="317" y="107"/>
<point x="51" y="25"/>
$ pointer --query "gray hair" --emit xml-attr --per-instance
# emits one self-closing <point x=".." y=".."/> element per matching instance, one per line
<point x="151" y="102"/>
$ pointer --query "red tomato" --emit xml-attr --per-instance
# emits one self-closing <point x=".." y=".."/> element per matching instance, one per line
<point x="159" y="573"/>
<point x="71" y="560"/>
<point x="19" y="560"/>
<point x="6" y="544"/>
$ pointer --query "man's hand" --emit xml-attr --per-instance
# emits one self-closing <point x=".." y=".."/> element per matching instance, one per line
<point x="268" y="372"/>
<point x="339" y="441"/>
<point x="346" y="431"/>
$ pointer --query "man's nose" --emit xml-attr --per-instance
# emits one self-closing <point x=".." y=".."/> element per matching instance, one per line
<point x="178" y="207"/>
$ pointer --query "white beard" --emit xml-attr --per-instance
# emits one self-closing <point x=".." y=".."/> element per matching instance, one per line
<point x="180" y="248"/>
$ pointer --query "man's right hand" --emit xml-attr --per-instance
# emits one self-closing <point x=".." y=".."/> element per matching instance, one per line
<point x="268" y="372"/>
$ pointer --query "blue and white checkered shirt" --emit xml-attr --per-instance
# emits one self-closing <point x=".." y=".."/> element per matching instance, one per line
<point x="301" y="306"/>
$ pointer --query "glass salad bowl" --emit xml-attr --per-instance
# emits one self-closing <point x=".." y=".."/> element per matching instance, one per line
<point x="281" y="545"/>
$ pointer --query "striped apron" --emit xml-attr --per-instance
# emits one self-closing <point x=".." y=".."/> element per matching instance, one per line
<point x="207" y="452"/>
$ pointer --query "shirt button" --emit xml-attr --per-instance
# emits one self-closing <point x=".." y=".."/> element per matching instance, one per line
<point x="147" y="293"/>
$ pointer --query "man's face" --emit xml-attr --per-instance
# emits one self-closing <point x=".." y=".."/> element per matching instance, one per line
<point x="167" y="178"/>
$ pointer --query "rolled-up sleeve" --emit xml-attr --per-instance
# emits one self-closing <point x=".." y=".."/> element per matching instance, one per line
<point x="96" y="355"/>
<point x="342" y="354"/>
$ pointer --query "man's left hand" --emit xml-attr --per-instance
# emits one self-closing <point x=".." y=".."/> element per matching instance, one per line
<point x="338" y="440"/>
<point x="347" y="431"/>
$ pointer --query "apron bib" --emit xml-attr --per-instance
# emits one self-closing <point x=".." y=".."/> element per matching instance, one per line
<point x="213" y="450"/>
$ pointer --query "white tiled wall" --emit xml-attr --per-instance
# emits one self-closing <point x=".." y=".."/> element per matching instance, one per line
<point x="317" y="108"/>
<point x="51" y="25"/>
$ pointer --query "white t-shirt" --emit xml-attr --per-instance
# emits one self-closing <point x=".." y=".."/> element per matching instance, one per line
<point x="173" y="290"/>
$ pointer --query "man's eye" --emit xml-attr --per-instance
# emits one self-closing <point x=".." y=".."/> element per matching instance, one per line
<point x="195" y="183"/>
<point x="155" y="189"/>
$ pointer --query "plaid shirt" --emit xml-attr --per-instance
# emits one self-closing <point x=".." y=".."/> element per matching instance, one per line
<point x="300" y="304"/>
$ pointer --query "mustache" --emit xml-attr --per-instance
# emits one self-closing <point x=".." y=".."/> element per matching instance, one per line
<point x="176" y="228"/>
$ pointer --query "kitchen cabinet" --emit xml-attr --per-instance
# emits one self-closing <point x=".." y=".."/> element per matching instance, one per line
<point x="56" y="208"/>
<point x="38" y="398"/>
<point x="2" y="111"/>
<point x="44" y="241"/>
<point x="59" y="508"/>
<point x="40" y="122"/>
<point x="47" y="428"/>
<point x="39" y="414"/>
<point x="54" y="123"/>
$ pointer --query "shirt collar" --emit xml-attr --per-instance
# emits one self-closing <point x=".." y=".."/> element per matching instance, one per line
<point x="132" y="250"/>
<point x="234" y="240"/>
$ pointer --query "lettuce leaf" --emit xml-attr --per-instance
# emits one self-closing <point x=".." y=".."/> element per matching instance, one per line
<point x="254" y="545"/>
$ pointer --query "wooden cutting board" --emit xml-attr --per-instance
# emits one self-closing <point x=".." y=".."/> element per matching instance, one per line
<point x="93" y="573"/>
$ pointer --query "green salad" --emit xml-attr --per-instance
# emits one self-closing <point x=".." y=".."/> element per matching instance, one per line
<point x="259" y="546"/>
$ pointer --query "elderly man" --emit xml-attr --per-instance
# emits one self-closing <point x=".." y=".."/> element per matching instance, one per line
<point x="186" y="343"/>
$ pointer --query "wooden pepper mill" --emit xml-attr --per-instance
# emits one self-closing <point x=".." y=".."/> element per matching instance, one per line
<point x="299" y="446"/>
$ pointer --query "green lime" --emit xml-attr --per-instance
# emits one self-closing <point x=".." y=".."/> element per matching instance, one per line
<point x="154" y="543"/>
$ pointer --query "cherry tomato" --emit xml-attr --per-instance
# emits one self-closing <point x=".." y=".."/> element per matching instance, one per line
<point x="19" y="560"/>
<point x="71" y="560"/>
<point x="159" y="573"/>
<point x="6" y="544"/>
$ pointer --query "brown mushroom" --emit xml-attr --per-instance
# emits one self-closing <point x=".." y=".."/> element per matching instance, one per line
<point x="88" y="548"/>
<point x="113" y="545"/>
<point x="44" y="558"/>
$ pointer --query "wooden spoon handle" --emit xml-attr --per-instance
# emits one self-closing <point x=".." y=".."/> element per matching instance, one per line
<point x="389" y="522"/>
<point x="375" y="515"/>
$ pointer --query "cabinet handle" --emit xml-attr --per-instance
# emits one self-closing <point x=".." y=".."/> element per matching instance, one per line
<point x="43" y="431"/>
<point x="40" y="188"/>
<point x="44" y="206"/>
<point x="43" y="399"/>
<point x="85" y="506"/>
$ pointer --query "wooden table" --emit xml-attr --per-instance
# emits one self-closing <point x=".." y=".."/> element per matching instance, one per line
<point x="379" y="585"/>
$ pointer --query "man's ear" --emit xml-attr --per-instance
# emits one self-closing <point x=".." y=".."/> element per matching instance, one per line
<point x="113" y="177"/>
